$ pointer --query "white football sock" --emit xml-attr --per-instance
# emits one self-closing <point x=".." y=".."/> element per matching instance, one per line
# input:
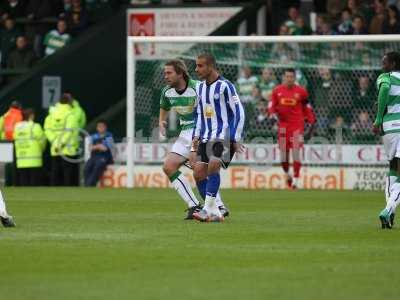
<point x="394" y="198"/>
<point x="295" y="181"/>
<point x="218" y="200"/>
<point x="390" y="180"/>
<point x="182" y="186"/>
<point x="3" y="211"/>
<point x="210" y="206"/>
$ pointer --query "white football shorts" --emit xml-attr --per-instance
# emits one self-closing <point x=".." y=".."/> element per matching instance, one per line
<point x="391" y="143"/>
<point x="183" y="144"/>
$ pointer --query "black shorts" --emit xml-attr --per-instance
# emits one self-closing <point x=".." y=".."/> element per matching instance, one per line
<point x="216" y="149"/>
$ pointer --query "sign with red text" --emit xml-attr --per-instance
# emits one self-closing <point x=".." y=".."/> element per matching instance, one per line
<point x="247" y="177"/>
<point x="186" y="21"/>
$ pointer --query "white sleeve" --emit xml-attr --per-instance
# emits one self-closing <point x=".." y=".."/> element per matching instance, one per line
<point x="197" y="118"/>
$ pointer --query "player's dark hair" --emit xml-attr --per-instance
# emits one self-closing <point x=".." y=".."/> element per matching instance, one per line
<point x="27" y="113"/>
<point x="209" y="58"/>
<point x="179" y="67"/>
<point x="102" y="121"/>
<point x="394" y="57"/>
<point x="290" y="70"/>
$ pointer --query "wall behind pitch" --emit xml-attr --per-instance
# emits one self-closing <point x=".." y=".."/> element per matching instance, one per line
<point x="247" y="177"/>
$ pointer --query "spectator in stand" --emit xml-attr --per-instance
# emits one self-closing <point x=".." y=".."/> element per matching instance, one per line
<point x="266" y="83"/>
<point x="326" y="28"/>
<point x="293" y="13"/>
<point x="37" y="10"/>
<point x="362" y="128"/>
<point x="362" y="8"/>
<point x="13" y="8"/>
<point x="319" y="21"/>
<point x="334" y="8"/>
<point x="340" y="98"/>
<point x="67" y="5"/>
<point x="358" y="26"/>
<point x="339" y="126"/>
<point x="391" y="25"/>
<point x="21" y="58"/>
<point x="56" y="38"/>
<point x="322" y="90"/>
<point x="345" y="25"/>
<point x="263" y="127"/>
<point x="77" y="18"/>
<point x="102" y="144"/>
<point x="354" y="7"/>
<point x="301" y="27"/>
<point x="261" y="109"/>
<point x="285" y="52"/>
<point x="245" y="84"/>
<point x="363" y="95"/>
<point x="376" y="24"/>
<point x="8" y="38"/>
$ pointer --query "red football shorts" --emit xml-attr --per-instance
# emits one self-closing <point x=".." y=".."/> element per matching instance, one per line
<point x="290" y="139"/>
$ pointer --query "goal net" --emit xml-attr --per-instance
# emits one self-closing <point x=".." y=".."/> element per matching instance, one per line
<point x="339" y="73"/>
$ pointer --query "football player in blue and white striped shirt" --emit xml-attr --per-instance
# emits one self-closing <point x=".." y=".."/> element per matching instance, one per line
<point x="218" y="131"/>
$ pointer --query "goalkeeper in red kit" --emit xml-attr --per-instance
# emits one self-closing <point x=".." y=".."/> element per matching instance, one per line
<point x="290" y="108"/>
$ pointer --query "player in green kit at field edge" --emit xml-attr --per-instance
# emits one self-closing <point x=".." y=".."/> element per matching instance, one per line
<point x="180" y="95"/>
<point x="387" y="123"/>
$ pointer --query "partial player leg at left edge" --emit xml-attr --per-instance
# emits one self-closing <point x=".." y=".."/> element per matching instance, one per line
<point x="5" y="218"/>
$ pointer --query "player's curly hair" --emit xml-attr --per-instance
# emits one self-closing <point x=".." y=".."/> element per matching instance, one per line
<point x="394" y="57"/>
<point x="179" y="67"/>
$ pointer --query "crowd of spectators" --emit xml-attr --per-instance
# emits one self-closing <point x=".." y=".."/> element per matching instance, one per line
<point x="341" y="99"/>
<point x="347" y="17"/>
<point x="33" y="29"/>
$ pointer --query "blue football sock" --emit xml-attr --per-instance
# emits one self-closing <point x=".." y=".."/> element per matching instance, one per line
<point x="202" y="187"/>
<point x="213" y="183"/>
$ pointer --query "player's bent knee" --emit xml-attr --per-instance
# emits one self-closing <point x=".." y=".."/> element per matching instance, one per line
<point x="169" y="168"/>
<point x="214" y="166"/>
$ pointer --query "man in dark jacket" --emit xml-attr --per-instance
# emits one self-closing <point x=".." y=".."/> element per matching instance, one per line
<point x="22" y="57"/>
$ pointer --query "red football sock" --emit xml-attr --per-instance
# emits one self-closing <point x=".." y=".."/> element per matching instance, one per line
<point x="296" y="169"/>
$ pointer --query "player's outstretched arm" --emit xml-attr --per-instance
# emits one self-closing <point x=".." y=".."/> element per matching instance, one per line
<point x="382" y="103"/>
<point x="162" y="122"/>
<point x="383" y="96"/>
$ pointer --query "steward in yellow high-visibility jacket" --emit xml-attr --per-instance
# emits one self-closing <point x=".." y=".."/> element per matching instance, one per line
<point x="77" y="108"/>
<point x="62" y="131"/>
<point x="29" y="143"/>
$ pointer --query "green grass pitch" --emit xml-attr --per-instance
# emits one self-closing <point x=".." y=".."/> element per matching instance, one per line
<point x="134" y="244"/>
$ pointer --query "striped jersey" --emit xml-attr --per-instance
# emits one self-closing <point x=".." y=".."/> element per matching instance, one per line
<point x="55" y="41"/>
<point x="182" y="103"/>
<point x="219" y="112"/>
<point x="391" y="117"/>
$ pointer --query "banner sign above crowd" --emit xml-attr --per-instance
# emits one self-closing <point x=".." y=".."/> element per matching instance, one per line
<point x="173" y="22"/>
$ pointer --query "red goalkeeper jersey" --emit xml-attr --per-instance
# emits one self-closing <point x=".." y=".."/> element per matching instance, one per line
<point x="291" y="106"/>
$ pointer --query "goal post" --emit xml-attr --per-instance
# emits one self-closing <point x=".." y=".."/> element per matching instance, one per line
<point x="310" y="55"/>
